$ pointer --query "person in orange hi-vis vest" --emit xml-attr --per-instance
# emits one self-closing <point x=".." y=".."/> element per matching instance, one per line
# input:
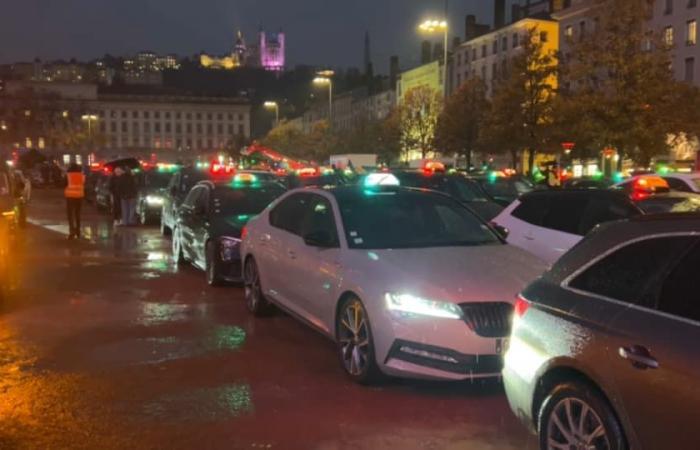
<point x="74" y="193"/>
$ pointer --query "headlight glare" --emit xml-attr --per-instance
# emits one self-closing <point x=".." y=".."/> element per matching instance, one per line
<point x="154" y="200"/>
<point x="411" y="304"/>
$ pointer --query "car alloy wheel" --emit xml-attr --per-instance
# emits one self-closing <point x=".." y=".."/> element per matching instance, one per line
<point x="354" y="341"/>
<point x="576" y="417"/>
<point x="254" y="299"/>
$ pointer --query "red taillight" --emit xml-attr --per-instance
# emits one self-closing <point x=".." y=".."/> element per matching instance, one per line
<point x="638" y="196"/>
<point x="521" y="306"/>
<point x="244" y="233"/>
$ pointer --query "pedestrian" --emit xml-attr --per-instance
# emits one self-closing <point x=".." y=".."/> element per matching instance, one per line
<point x="126" y="189"/>
<point x="74" y="193"/>
<point x="116" y="199"/>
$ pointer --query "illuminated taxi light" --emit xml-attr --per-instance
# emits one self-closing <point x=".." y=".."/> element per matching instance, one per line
<point x="410" y="304"/>
<point x="221" y="169"/>
<point x="381" y="179"/>
<point x="245" y="178"/>
<point x="433" y="167"/>
<point x="307" y="172"/>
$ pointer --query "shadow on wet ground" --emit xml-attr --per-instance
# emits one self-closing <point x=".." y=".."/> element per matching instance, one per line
<point x="105" y="343"/>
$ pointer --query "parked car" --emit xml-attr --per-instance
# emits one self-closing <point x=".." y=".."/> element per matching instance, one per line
<point x="152" y="187"/>
<point x="587" y="183"/>
<point x="407" y="282"/>
<point x="684" y="182"/>
<point x="505" y="190"/>
<point x="103" y="194"/>
<point x="465" y="190"/>
<point x="603" y="353"/>
<point x="210" y="221"/>
<point x="548" y="223"/>
<point x="180" y="185"/>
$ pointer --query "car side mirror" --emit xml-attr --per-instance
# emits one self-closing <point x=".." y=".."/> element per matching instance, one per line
<point x="320" y="239"/>
<point x="502" y="231"/>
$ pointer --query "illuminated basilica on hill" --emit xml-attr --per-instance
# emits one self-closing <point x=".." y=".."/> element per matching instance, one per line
<point x="268" y="53"/>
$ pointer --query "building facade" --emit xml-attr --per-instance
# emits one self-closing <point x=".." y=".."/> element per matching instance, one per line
<point x="677" y="21"/>
<point x="429" y="75"/>
<point x="489" y="55"/>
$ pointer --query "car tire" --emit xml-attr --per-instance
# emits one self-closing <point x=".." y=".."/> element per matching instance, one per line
<point x="355" y="343"/>
<point x="560" y="420"/>
<point x="211" y="266"/>
<point x="178" y="254"/>
<point x="255" y="300"/>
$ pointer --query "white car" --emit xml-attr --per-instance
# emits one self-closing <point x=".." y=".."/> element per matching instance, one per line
<point x="548" y="223"/>
<point x="684" y="182"/>
<point x="407" y="282"/>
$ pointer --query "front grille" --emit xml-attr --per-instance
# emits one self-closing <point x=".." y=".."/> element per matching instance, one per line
<point x="488" y="319"/>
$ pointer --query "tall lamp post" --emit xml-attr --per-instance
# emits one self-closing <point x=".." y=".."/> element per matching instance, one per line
<point x="324" y="78"/>
<point x="276" y="107"/>
<point x="89" y="118"/>
<point x="434" y="26"/>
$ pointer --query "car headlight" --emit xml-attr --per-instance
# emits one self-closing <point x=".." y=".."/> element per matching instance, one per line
<point x="154" y="200"/>
<point x="229" y="248"/>
<point x="411" y="304"/>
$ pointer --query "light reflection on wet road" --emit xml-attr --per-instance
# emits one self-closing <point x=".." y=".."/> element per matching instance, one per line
<point x="106" y="344"/>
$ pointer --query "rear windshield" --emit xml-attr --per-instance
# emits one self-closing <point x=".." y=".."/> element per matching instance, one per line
<point x="249" y="200"/>
<point x="659" y="205"/>
<point x="409" y="219"/>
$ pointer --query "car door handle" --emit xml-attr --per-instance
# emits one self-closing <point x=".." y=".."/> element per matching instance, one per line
<point x="639" y="356"/>
<point x="291" y="254"/>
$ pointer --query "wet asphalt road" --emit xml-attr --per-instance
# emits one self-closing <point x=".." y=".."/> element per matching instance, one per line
<point x="105" y="344"/>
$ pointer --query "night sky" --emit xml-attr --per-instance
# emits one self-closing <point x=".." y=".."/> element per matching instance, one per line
<point x="327" y="32"/>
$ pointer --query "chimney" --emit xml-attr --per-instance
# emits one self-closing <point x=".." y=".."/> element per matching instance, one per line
<point x="438" y="52"/>
<point x="515" y="12"/>
<point x="393" y="71"/>
<point x="426" y="52"/>
<point x="469" y="27"/>
<point x="499" y="14"/>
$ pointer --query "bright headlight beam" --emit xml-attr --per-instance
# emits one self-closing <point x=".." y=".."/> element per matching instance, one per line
<point x="154" y="200"/>
<point x="408" y="303"/>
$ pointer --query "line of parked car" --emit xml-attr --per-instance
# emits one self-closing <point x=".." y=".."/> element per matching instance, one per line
<point x="583" y="300"/>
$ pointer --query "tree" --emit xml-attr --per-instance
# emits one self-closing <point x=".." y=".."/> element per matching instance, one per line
<point x="460" y="123"/>
<point x="522" y="103"/>
<point x="618" y="88"/>
<point x="418" y="115"/>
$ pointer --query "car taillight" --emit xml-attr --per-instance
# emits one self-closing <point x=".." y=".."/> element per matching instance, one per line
<point x="244" y="233"/>
<point x="521" y="306"/>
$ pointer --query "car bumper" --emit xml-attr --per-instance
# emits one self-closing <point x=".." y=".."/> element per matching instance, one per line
<point x="519" y="382"/>
<point x="434" y="348"/>
<point x="231" y="271"/>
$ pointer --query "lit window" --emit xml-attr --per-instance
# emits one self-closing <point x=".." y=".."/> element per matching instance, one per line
<point x="668" y="36"/>
<point x="569" y="32"/>
<point x="691" y="29"/>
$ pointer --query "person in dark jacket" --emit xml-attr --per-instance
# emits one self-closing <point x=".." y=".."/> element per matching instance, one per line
<point x="127" y="191"/>
<point x="116" y="199"/>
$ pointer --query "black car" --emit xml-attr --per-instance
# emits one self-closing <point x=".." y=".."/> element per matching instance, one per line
<point x="669" y="202"/>
<point x="328" y="179"/>
<point x="103" y="195"/>
<point x="152" y="187"/>
<point x="180" y="185"/>
<point x="209" y="223"/>
<point x="587" y="183"/>
<point x="504" y="190"/>
<point x="603" y="352"/>
<point x="463" y="189"/>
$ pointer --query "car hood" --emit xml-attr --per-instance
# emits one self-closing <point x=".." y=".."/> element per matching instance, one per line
<point x="486" y="210"/>
<point x="456" y="274"/>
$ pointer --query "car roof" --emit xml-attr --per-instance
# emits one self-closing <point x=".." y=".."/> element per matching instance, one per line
<point x="611" y="193"/>
<point x="682" y="176"/>
<point x="611" y="234"/>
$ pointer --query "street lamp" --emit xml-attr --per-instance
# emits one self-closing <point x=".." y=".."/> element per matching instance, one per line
<point x="276" y="107"/>
<point x="89" y="119"/>
<point x="324" y="78"/>
<point x="436" y="26"/>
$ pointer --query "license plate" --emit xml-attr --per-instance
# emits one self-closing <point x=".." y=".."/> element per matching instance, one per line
<point x="502" y="345"/>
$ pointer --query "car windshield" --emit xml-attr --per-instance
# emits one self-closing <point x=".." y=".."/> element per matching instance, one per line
<point x="408" y="219"/>
<point x="468" y="191"/>
<point x="157" y="179"/>
<point x="228" y="200"/>
<point x="659" y="205"/>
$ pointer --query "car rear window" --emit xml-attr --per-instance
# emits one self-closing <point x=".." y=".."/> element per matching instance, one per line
<point x="532" y="209"/>
<point x="660" y="205"/>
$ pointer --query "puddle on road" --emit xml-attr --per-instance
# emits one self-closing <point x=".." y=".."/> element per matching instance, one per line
<point x="205" y="404"/>
<point x="159" y="313"/>
<point x="157" y="350"/>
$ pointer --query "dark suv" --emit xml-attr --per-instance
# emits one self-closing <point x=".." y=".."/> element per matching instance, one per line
<point x="604" y="348"/>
